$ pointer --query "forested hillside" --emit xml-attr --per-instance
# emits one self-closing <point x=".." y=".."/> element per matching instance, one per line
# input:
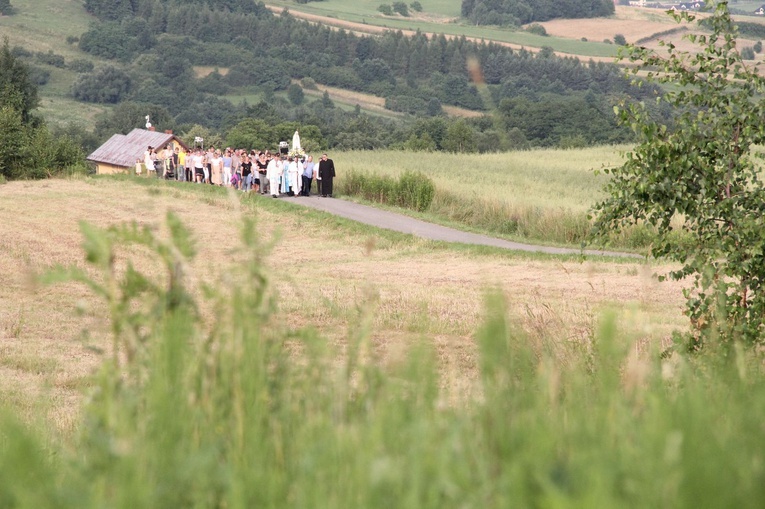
<point x="518" y="12"/>
<point x="155" y="46"/>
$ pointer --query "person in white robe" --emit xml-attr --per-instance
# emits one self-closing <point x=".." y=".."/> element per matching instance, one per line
<point x="295" y="171"/>
<point x="273" y="172"/>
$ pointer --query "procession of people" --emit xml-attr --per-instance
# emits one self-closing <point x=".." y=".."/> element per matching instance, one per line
<point x="283" y="172"/>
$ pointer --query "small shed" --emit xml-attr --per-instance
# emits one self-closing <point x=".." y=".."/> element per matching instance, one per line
<point x="120" y="152"/>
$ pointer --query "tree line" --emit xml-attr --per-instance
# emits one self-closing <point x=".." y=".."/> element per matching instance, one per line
<point x="519" y="12"/>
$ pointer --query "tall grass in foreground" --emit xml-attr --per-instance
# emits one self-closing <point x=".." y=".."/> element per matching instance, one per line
<point x="237" y="412"/>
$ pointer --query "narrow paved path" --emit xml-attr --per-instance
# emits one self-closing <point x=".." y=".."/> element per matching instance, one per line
<point x="405" y="224"/>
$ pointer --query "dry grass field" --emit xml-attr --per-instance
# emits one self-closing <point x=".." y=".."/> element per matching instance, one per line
<point x="635" y="24"/>
<point x="632" y="22"/>
<point x="50" y="337"/>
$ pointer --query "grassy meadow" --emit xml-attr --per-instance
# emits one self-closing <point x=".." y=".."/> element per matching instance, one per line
<point x="546" y="178"/>
<point x="204" y="349"/>
<point x="400" y="271"/>
<point x="539" y="195"/>
<point x="42" y="26"/>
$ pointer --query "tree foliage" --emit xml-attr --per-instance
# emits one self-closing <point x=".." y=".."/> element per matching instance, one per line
<point x="27" y="149"/>
<point x="518" y="12"/>
<point x="258" y="134"/>
<point x="106" y="85"/>
<point x="17" y="91"/>
<point x="295" y="94"/>
<point x="459" y="138"/>
<point x="129" y="115"/>
<point x="401" y="8"/>
<point x="263" y="53"/>
<point x="6" y="9"/>
<point x="118" y="40"/>
<point x="697" y="181"/>
<point x="162" y="40"/>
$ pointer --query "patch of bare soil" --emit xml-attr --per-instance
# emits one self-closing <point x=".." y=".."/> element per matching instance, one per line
<point x="201" y="71"/>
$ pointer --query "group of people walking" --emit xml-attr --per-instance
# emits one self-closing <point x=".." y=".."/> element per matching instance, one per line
<point x="258" y="171"/>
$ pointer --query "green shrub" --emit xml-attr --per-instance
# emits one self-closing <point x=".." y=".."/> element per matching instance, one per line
<point x="401" y="8"/>
<point x="81" y="65"/>
<point x="50" y="58"/>
<point x="309" y="83"/>
<point x="386" y="9"/>
<point x="375" y="188"/>
<point x="412" y="190"/>
<point x="415" y="191"/>
<point x="536" y="29"/>
<point x="34" y="153"/>
<point x="572" y="141"/>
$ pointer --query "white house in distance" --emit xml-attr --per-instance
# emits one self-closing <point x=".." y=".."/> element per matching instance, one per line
<point x="120" y="153"/>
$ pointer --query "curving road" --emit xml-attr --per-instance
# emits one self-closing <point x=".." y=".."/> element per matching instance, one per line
<point x="405" y="224"/>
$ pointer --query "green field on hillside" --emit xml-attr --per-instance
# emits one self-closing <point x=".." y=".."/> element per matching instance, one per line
<point x="367" y="13"/>
<point x="43" y="26"/>
<point x="448" y="10"/>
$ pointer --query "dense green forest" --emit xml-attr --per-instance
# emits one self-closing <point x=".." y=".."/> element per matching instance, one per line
<point x="153" y="47"/>
<point x="519" y="12"/>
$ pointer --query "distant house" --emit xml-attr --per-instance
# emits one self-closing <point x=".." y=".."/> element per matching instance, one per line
<point x="690" y="6"/>
<point x="760" y="11"/>
<point x="120" y="152"/>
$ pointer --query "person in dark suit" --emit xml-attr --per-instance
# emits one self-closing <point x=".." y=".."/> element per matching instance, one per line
<point x="326" y="174"/>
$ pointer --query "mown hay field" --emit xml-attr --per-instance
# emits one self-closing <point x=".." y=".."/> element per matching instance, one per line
<point x="324" y="269"/>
